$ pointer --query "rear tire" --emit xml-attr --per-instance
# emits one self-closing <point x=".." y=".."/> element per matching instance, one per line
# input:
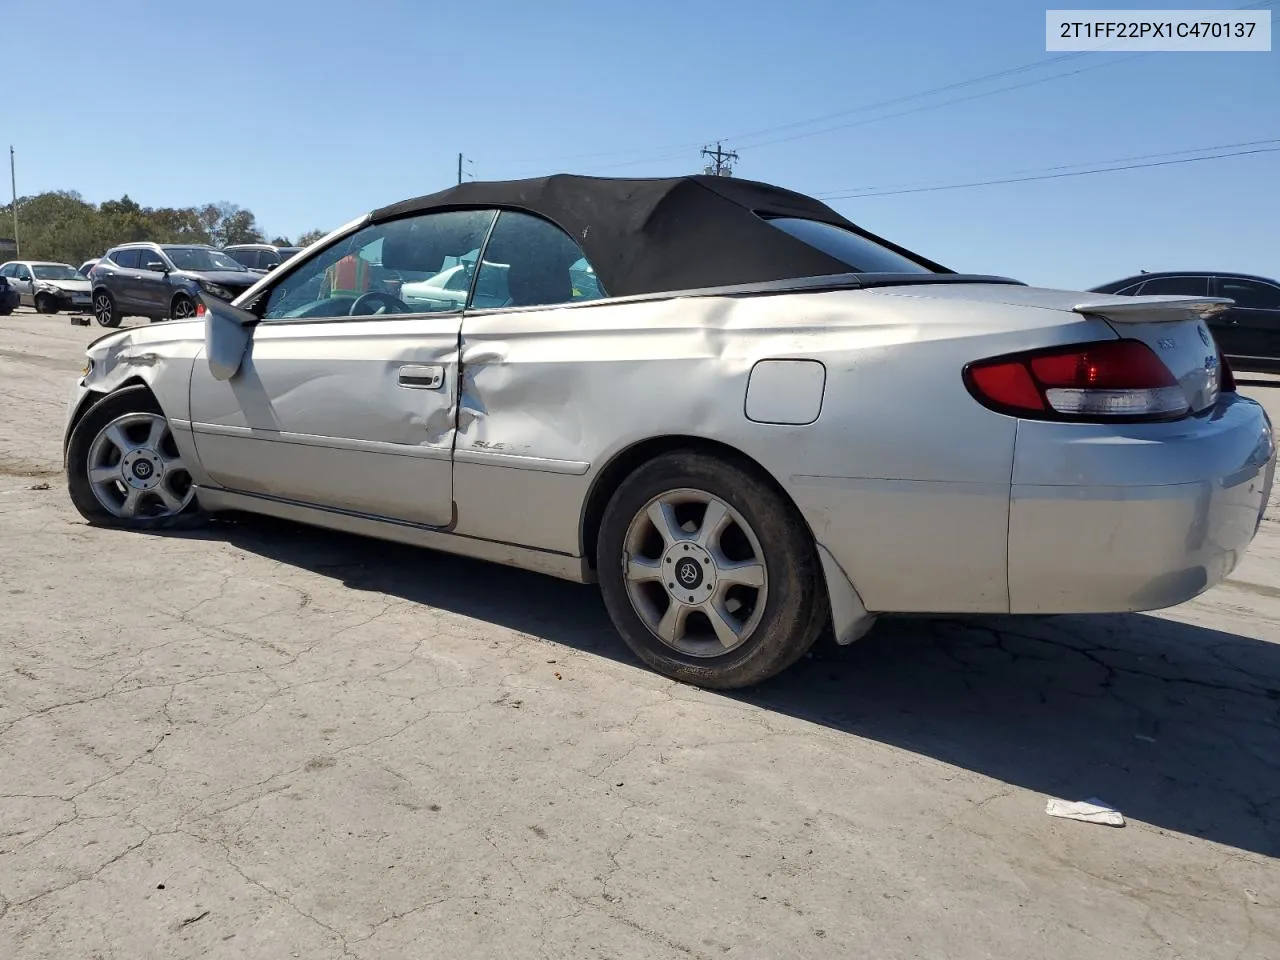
<point x="46" y="304"/>
<point x="707" y="553"/>
<point x="104" y="309"/>
<point x="124" y="469"/>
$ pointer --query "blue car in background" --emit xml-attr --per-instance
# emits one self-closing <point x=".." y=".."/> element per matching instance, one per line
<point x="9" y="298"/>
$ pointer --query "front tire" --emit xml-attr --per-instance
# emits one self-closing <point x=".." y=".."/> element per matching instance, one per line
<point x="182" y="308"/>
<point x="709" y="574"/>
<point x="124" y="468"/>
<point x="104" y="309"/>
<point x="46" y="304"/>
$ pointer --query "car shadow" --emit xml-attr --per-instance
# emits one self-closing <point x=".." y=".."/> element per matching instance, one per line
<point x="1175" y="725"/>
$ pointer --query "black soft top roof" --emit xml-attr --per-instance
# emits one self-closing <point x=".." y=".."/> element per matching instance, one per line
<point x="657" y="235"/>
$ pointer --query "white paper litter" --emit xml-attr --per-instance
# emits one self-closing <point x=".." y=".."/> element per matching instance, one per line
<point x="1092" y="810"/>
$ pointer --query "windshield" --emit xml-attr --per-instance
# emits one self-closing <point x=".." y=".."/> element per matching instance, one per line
<point x="862" y="255"/>
<point x="198" y="258"/>
<point x="56" y="271"/>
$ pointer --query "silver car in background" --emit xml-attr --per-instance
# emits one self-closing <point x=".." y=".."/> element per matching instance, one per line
<point x="48" y="286"/>
<point x="754" y="421"/>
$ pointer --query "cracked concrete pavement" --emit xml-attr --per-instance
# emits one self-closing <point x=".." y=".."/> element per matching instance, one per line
<point x="265" y="741"/>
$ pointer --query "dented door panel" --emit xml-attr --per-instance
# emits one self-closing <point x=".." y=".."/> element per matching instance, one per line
<point x="353" y="415"/>
<point x="550" y="396"/>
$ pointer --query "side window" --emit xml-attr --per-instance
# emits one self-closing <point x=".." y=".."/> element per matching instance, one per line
<point x="150" y="260"/>
<point x="21" y="272"/>
<point x="1251" y="294"/>
<point x="7" y="270"/>
<point x="530" y="262"/>
<point x="248" y="258"/>
<point x="1176" y="286"/>
<point x="265" y="258"/>
<point x="384" y="268"/>
<point x="126" y="258"/>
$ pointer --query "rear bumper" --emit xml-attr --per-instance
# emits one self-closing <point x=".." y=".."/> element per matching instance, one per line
<point x="1110" y="518"/>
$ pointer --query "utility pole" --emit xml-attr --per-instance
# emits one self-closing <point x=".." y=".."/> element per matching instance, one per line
<point x="13" y="183"/>
<point x="460" y="159"/>
<point x="719" y="165"/>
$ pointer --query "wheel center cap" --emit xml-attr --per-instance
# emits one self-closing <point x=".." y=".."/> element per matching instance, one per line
<point x="142" y="469"/>
<point x="689" y="573"/>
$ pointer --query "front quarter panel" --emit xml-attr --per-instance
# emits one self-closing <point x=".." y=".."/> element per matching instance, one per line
<point x="161" y="357"/>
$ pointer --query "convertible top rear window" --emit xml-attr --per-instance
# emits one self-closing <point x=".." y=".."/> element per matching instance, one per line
<point x="862" y="255"/>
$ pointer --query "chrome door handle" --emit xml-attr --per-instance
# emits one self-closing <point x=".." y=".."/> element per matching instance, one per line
<point x="416" y="377"/>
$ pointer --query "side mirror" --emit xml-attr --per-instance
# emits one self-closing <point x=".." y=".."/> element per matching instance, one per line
<point x="155" y="266"/>
<point x="271" y="266"/>
<point x="226" y="336"/>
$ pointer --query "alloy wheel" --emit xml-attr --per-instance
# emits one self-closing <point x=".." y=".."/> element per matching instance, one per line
<point x="136" y="471"/>
<point x="695" y="572"/>
<point x="104" y="310"/>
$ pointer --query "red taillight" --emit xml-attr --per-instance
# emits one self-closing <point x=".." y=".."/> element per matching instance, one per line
<point x="200" y="308"/>
<point x="1114" y="379"/>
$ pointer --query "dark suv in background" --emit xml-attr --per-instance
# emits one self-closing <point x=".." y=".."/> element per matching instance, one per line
<point x="1248" y="333"/>
<point x="160" y="281"/>
<point x="260" y="256"/>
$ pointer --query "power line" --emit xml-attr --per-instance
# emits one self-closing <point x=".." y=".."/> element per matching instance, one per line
<point x="849" y="192"/>
<point x="667" y="151"/>
<point x="662" y="154"/>
<point x="1049" y="176"/>
<point x="943" y="103"/>
<point x="1011" y="71"/>
<point x="891" y="116"/>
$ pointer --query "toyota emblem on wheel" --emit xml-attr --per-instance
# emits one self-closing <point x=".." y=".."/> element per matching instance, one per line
<point x="689" y="572"/>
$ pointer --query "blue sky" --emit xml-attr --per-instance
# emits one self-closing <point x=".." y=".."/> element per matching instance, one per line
<point x="310" y="113"/>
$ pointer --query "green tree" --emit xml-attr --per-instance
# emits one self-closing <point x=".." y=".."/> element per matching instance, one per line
<point x="310" y="237"/>
<point x="61" y="225"/>
<point x="226" y="223"/>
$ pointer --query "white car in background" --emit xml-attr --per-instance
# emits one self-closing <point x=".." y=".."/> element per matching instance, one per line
<point x="48" y="286"/>
<point x="446" y="290"/>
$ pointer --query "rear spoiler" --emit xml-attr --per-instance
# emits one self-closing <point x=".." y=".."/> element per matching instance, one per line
<point x="1154" y="309"/>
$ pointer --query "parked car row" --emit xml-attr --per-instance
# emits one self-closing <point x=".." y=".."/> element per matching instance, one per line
<point x="162" y="281"/>
<point x="159" y="281"/>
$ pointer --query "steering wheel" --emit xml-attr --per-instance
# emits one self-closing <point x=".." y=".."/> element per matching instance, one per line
<point x="361" y="306"/>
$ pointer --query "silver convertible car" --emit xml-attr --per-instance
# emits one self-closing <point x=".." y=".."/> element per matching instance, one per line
<point x="744" y="416"/>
